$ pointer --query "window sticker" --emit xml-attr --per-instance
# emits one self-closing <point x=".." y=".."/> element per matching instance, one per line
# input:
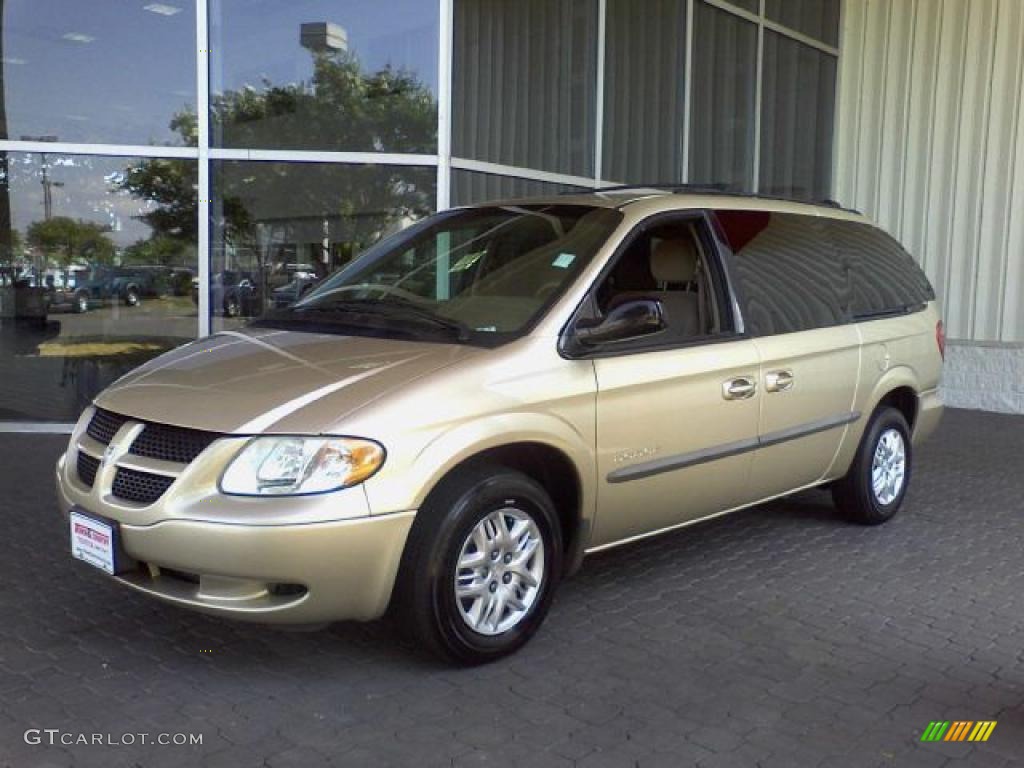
<point x="563" y="260"/>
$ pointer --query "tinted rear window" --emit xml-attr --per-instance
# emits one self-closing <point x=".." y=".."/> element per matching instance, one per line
<point x="791" y="275"/>
<point x="885" y="278"/>
<point x="800" y="272"/>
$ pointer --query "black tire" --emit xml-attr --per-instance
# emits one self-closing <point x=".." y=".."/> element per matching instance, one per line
<point x="425" y="602"/>
<point x="854" y="493"/>
<point x="131" y="297"/>
<point x="81" y="303"/>
<point x="231" y="307"/>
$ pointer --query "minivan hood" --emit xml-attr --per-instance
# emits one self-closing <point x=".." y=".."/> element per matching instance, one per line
<point x="268" y="380"/>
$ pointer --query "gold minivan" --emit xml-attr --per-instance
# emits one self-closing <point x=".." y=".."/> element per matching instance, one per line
<point x="448" y="424"/>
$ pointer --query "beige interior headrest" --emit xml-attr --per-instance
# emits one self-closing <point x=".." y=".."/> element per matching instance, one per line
<point x="674" y="261"/>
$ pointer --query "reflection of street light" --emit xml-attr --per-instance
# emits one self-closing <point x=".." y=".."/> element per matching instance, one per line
<point x="46" y="182"/>
<point x="323" y="37"/>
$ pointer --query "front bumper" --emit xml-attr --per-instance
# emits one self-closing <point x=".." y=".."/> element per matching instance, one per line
<point x="288" y="573"/>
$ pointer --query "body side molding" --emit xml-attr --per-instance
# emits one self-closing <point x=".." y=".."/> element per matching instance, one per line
<point x="683" y="460"/>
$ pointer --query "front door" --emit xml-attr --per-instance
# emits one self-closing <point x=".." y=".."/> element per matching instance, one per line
<point x="677" y="411"/>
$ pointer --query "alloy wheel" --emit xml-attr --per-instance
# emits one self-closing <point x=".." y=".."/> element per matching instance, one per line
<point x="888" y="467"/>
<point x="500" y="571"/>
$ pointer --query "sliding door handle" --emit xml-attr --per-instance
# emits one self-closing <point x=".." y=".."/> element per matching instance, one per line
<point x="778" y="381"/>
<point x="740" y="388"/>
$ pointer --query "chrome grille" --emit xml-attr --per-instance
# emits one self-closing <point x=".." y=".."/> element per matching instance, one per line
<point x="87" y="467"/>
<point x="140" y="487"/>
<point x="104" y="425"/>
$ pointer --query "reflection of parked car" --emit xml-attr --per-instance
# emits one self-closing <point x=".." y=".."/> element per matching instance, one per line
<point x="289" y="293"/>
<point x="232" y="294"/>
<point x="99" y="285"/>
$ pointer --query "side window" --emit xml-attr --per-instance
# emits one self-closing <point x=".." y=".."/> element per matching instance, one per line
<point x="668" y="261"/>
<point x="884" y="277"/>
<point x="791" y="277"/>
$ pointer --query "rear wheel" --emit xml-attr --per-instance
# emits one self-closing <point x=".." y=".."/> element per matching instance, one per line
<point x="481" y="566"/>
<point x="131" y="297"/>
<point x="874" y="488"/>
<point x="81" y="303"/>
<point x="232" y="308"/>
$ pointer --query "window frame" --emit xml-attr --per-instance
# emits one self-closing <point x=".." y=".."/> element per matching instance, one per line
<point x="722" y="282"/>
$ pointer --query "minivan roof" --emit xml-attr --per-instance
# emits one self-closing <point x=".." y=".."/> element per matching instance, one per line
<point x="678" y="198"/>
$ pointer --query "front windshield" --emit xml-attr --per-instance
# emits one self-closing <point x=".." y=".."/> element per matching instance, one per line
<point x="467" y="274"/>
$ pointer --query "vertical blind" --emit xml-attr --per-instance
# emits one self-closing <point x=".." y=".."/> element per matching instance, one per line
<point x="524" y="83"/>
<point x="645" y="56"/>
<point x="722" y="112"/>
<point x="797" y="116"/>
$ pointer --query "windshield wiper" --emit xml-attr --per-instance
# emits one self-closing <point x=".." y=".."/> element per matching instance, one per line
<point x="392" y="308"/>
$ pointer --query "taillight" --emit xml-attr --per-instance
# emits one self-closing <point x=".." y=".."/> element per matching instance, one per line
<point x="940" y="338"/>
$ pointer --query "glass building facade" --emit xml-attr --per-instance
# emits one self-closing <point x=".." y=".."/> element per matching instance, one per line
<point x="170" y="169"/>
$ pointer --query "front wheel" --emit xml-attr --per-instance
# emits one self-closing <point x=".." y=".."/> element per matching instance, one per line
<point x="874" y="488"/>
<point x="131" y="297"/>
<point x="481" y="567"/>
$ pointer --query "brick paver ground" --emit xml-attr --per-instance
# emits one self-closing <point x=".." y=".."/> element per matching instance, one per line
<point x="779" y="636"/>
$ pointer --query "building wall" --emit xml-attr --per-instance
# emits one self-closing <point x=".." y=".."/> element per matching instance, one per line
<point x="930" y="143"/>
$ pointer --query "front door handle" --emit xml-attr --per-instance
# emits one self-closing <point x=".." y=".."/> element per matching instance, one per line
<point x="778" y="381"/>
<point x="740" y="388"/>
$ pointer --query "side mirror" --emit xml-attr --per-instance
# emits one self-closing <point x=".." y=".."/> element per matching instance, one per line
<point x="640" y="317"/>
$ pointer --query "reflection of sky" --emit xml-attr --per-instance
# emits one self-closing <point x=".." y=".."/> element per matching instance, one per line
<point x="256" y="39"/>
<point x="111" y="71"/>
<point x="119" y="78"/>
<point x="89" y="193"/>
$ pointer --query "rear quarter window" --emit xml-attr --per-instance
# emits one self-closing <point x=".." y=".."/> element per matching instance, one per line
<point x="884" y="278"/>
<point x="791" y="275"/>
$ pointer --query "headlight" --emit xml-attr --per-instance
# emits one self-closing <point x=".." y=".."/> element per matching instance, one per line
<point x="290" y="466"/>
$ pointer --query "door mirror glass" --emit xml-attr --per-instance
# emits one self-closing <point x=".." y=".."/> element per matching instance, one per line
<point x="629" y="320"/>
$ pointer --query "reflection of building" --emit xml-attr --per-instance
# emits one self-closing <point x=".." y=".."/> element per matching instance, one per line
<point x="323" y="37"/>
<point x="319" y="137"/>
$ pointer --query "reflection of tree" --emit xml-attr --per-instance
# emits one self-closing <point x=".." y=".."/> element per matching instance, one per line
<point x="342" y="108"/>
<point x="10" y="243"/>
<point x="170" y="185"/>
<point x="163" y="251"/>
<point x="70" y="241"/>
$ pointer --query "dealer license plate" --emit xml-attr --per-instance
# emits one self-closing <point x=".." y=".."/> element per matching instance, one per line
<point x="92" y="541"/>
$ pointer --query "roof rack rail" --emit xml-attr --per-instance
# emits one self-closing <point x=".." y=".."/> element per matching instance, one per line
<point x="716" y="189"/>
